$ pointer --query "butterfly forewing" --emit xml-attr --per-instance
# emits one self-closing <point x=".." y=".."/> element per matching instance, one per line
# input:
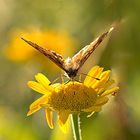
<point x="56" y="58"/>
<point x="83" y="54"/>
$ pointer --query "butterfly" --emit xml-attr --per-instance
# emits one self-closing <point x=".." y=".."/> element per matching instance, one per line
<point x="72" y="65"/>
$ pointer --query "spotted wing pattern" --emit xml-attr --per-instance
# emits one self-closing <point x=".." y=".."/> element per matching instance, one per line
<point x="56" y="58"/>
<point x="84" y="53"/>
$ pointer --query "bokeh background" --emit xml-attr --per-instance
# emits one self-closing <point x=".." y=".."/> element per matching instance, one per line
<point x="67" y="26"/>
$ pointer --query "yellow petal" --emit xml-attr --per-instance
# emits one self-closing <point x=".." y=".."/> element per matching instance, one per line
<point x="103" y="79"/>
<point x="36" y="105"/>
<point x="65" y="127"/>
<point x="93" y="109"/>
<point x="49" y="117"/>
<point x="90" y="114"/>
<point x="91" y="72"/>
<point x="95" y="72"/>
<point x="33" y="110"/>
<point x="105" y="86"/>
<point x="105" y="74"/>
<point x="55" y="85"/>
<point x="62" y="118"/>
<point x="97" y="106"/>
<point x="109" y="91"/>
<point x="101" y="101"/>
<point x="43" y="80"/>
<point x="38" y="87"/>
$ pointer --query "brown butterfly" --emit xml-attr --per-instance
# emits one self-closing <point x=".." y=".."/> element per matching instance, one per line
<point x="71" y="65"/>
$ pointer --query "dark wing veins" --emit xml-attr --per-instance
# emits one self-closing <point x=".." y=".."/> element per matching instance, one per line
<point x="83" y="54"/>
<point x="56" y="58"/>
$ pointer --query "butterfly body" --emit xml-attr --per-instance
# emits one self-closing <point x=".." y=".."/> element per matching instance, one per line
<point x="71" y="65"/>
<point x="70" y="68"/>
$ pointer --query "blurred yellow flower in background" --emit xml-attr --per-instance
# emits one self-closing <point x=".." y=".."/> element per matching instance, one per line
<point x="72" y="97"/>
<point x="18" y="51"/>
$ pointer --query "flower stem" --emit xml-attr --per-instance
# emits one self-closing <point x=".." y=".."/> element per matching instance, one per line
<point x="76" y="126"/>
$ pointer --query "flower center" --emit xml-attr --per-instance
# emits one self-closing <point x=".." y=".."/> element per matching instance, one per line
<point x="73" y="96"/>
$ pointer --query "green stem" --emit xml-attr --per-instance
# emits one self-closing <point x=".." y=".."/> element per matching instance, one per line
<point x="76" y="126"/>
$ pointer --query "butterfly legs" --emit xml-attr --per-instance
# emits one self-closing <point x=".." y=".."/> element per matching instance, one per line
<point x="60" y="77"/>
<point x="54" y="80"/>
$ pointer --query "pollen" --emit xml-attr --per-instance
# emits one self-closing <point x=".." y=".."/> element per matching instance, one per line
<point x="73" y="97"/>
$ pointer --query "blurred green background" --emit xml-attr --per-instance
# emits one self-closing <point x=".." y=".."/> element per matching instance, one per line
<point x="67" y="26"/>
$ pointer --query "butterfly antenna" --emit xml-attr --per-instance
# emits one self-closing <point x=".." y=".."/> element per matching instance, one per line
<point x="90" y="76"/>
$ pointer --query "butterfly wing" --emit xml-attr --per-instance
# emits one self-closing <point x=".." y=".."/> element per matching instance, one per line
<point x="84" y="53"/>
<point x="53" y="56"/>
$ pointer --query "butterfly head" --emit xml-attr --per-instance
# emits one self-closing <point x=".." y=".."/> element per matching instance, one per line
<point x="71" y="73"/>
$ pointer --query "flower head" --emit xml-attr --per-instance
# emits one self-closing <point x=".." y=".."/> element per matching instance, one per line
<point x="72" y="97"/>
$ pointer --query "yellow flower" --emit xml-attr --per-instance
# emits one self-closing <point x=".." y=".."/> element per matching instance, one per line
<point x="72" y="97"/>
